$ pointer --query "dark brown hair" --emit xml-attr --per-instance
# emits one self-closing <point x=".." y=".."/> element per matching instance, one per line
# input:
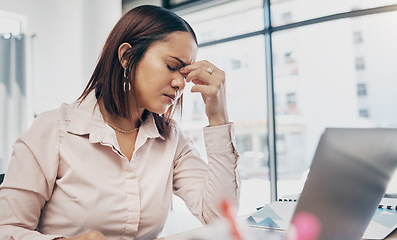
<point x="140" y="27"/>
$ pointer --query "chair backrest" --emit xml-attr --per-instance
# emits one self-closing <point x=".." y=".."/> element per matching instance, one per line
<point x="2" y="177"/>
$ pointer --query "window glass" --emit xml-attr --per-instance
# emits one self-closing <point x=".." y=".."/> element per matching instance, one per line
<point x="288" y="11"/>
<point x="174" y="2"/>
<point x="333" y="81"/>
<point x="234" y="18"/>
<point x="246" y="100"/>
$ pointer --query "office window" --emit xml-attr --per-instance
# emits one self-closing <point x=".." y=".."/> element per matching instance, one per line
<point x="301" y="10"/>
<point x="360" y="65"/>
<point x="281" y="146"/>
<point x="198" y="109"/>
<point x="317" y="68"/>
<point x="177" y="3"/>
<point x="174" y="2"/>
<point x="275" y="59"/>
<point x="235" y="63"/>
<point x="286" y="64"/>
<point x="246" y="86"/>
<point x="233" y="18"/>
<point x="291" y="103"/>
<point x="364" y="113"/>
<point x="358" y="37"/>
<point x="291" y="99"/>
<point x="361" y="89"/>
<point x="289" y="57"/>
<point x="327" y="86"/>
<point x="286" y="17"/>
<point x="264" y="145"/>
<point x="244" y="143"/>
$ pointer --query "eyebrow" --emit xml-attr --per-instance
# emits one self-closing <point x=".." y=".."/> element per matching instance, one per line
<point x="180" y="61"/>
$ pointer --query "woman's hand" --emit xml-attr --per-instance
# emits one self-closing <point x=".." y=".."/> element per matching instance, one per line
<point x="92" y="235"/>
<point x="210" y="82"/>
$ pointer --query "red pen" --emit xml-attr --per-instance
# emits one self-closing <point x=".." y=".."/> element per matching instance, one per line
<point x="227" y="212"/>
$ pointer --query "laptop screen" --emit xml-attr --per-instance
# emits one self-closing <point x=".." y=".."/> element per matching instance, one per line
<point x="347" y="180"/>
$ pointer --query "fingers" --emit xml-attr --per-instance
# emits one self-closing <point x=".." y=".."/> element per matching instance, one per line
<point x="202" y="72"/>
<point x="210" y="82"/>
<point x="207" y="78"/>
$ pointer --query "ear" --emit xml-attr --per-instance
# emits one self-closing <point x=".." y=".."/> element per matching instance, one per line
<point x="122" y="49"/>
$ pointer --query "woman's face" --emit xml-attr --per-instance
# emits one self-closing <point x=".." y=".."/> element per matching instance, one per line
<point x="158" y="82"/>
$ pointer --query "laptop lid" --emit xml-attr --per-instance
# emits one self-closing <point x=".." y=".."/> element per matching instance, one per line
<point x="347" y="180"/>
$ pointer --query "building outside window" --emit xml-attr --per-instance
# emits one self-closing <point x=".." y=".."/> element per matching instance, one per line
<point x="360" y="64"/>
<point x="361" y="90"/>
<point x="317" y="77"/>
<point x="358" y="38"/>
<point x="364" y="113"/>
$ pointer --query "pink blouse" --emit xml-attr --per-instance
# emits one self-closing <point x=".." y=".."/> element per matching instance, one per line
<point x="68" y="176"/>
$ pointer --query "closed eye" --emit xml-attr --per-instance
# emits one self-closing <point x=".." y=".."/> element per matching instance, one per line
<point x="170" y="68"/>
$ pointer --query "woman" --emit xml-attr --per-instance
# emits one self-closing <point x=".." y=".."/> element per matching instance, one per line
<point x="106" y="166"/>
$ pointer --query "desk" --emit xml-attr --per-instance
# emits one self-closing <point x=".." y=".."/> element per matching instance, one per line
<point x="257" y="234"/>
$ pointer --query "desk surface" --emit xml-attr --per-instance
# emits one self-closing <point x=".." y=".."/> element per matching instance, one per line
<point x="257" y="234"/>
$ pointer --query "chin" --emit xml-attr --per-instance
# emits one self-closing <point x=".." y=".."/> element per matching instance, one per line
<point x="161" y="110"/>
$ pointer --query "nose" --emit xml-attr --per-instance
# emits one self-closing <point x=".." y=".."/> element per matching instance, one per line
<point x="178" y="82"/>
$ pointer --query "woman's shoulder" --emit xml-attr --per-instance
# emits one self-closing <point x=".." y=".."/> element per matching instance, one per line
<point x="48" y="122"/>
<point x="54" y="115"/>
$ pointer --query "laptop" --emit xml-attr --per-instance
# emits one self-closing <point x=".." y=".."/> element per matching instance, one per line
<point x="347" y="180"/>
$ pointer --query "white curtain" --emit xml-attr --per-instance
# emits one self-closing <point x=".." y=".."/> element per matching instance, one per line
<point x="12" y="94"/>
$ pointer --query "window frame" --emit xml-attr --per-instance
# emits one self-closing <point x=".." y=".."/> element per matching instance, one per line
<point x="267" y="32"/>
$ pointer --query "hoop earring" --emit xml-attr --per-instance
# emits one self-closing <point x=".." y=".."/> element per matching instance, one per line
<point x="126" y="87"/>
<point x="127" y="72"/>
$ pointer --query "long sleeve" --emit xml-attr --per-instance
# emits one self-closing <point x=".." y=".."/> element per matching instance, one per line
<point x="203" y="185"/>
<point x="28" y="183"/>
<point x="67" y="176"/>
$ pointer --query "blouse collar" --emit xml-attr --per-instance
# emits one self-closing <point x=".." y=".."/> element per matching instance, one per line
<point x="85" y="118"/>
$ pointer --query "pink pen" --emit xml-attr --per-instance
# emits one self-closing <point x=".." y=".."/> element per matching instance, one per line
<point x="304" y="226"/>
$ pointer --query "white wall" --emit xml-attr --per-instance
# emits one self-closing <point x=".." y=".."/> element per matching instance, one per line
<point x="69" y="35"/>
<point x="68" y="38"/>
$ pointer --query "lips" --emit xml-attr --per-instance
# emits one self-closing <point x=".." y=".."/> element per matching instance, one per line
<point x="171" y="97"/>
